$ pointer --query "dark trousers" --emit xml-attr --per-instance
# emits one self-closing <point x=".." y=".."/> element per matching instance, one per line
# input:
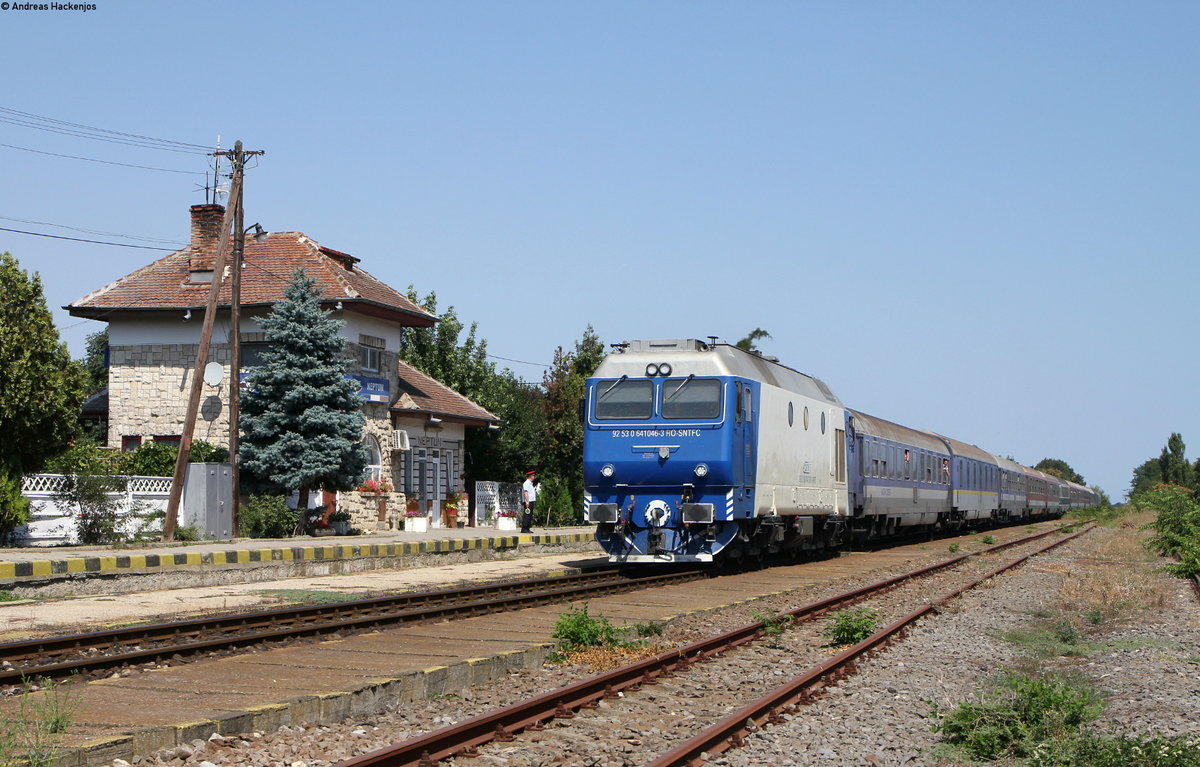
<point x="527" y="518"/>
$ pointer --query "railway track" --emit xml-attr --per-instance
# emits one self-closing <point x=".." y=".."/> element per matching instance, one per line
<point x="58" y="657"/>
<point x="562" y="705"/>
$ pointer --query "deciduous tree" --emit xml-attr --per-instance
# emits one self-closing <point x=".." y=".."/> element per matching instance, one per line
<point x="1060" y="469"/>
<point x="41" y="389"/>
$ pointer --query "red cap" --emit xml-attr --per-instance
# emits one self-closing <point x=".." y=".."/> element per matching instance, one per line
<point x="530" y="473"/>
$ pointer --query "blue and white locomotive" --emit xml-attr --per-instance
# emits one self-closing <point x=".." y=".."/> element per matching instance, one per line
<point x="698" y="452"/>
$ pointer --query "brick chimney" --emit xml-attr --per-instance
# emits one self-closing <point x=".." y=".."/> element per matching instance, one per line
<point x="206" y="231"/>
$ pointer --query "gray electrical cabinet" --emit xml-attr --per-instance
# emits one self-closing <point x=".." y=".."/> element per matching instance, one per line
<point x="207" y="503"/>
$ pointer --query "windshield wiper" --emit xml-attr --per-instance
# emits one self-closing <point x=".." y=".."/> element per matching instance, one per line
<point x="612" y="386"/>
<point x="682" y="384"/>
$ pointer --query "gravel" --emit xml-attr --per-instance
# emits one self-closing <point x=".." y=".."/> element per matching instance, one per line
<point x="1150" y="667"/>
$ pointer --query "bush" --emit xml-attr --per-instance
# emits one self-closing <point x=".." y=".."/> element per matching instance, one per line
<point x="14" y="507"/>
<point x="157" y="459"/>
<point x="1177" y="529"/>
<point x="852" y="626"/>
<point x="578" y="630"/>
<point x="97" y="515"/>
<point x="554" y="505"/>
<point x="267" y="516"/>
<point x="1122" y="751"/>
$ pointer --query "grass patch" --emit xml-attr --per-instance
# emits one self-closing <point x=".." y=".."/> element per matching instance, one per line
<point x="309" y="596"/>
<point x="1018" y="715"/>
<point x="8" y="596"/>
<point x="1051" y="639"/>
<point x="594" y="640"/>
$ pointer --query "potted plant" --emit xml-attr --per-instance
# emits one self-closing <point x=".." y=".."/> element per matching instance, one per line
<point x="375" y="487"/>
<point x="506" y="519"/>
<point x="340" y="522"/>
<point x="454" y="505"/>
<point x="316" y="524"/>
<point x="415" y="521"/>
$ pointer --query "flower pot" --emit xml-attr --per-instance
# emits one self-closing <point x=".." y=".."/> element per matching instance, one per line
<point x="506" y="523"/>
<point x="340" y="527"/>
<point x="322" y="531"/>
<point x="416" y="524"/>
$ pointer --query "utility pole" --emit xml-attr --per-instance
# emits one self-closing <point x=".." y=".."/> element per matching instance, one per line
<point x="233" y="216"/>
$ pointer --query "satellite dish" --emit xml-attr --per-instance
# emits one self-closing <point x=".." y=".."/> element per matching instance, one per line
<point x="214" y="373"/>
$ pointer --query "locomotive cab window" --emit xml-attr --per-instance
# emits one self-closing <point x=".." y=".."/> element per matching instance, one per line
<point x="624" y="400"/>
<point x="691" y="398"/>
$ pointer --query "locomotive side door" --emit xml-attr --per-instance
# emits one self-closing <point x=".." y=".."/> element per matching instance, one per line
<point x="744" y="443"/>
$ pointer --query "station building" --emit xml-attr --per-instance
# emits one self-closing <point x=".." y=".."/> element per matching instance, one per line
<point x="414" y="428"/>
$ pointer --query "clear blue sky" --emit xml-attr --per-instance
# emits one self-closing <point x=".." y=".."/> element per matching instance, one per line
<point x="976" y="218"/>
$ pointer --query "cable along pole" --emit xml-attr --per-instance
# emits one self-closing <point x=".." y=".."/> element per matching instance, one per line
<point x="233" y="214"/>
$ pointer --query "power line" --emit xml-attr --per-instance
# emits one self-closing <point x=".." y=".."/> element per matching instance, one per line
<point x="40" y="122"/>
<point x="95" y="231"/>
<point x="106" y="162"/>
<point x="79" y="239"/>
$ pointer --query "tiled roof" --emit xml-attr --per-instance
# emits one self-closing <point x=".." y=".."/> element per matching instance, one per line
<point x="165" y="283"/>
<point x="419" y="394"/>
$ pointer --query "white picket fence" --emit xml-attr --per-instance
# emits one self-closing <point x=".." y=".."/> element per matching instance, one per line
<point x="51" y="524"/>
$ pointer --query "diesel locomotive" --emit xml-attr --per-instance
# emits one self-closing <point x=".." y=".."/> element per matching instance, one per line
<point x="701" y="452"/>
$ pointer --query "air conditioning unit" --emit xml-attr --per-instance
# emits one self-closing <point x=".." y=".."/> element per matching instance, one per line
<point x="400" y="440"/>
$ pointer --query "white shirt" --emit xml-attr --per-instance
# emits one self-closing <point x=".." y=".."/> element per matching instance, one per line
<point x="530" y="491"/>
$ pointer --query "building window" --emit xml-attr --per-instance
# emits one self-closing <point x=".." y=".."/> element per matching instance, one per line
<point x="130" y="443"/>
<point x="251" y="354"/>
<point x="370" y="359"/>
<point x="372" y="352"/>
<point x="169" y="439"/>
<point x="374" y="458"/>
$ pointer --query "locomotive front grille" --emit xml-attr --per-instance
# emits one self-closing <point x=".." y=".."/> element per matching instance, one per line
<point x="602" y="512"/>
<point x="698" y="513"/>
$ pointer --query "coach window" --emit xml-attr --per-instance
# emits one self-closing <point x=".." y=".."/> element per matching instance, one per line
<point x="791" y="415"/>
<point x="624" y="400"/>
<point x="822" y="421"/>
<point x="806" y="417"/>
<point x="747" y="404"/>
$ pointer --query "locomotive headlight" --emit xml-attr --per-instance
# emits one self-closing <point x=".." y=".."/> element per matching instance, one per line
<point x="652" y="370"/>
<point x="701" y="470"/>
<point x="664" y="369"/>
<point x="607" y="471"/>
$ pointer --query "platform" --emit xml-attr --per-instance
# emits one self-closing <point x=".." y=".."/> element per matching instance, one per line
<point x="120" y="569"/>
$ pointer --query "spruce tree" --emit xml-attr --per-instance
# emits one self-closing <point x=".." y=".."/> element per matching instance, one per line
<point x="301" y="418"/>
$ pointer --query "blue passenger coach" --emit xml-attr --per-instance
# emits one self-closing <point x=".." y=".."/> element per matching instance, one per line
<point x="691" y="449"/>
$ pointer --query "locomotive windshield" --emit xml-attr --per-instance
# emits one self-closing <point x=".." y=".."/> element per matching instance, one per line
<point x="691" y="398"/>
<point x="624" y="400"/>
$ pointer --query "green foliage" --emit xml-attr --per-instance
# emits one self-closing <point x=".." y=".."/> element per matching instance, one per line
<point x="1060" y="469"/>
<point x="579" y="631"/>
<point x="1019" y="715"/>
<point x="86" y="457"/>
<point x="565" y="384"/>
<point x="1091" y="750"/>
<point x="953" y="548"/>
<point x="436" y="351"/>
<point x="648" y="629"/>
<point x="14" y="507"/>
<point x="773" y="623"/>
<point x="42" y="387"/>
<point x="267" y="516"/>
<point x="301" y="418"/>
<point x="1177" y="528"/>
<point x="851" y="626"/>
<point x="157" y="459"/>
<point x="44" y="713"/>
<point x="555" y="503"/>
<point x="97" y="510"/>
<point x="1170" y="467"/>
<point x="750" y="342"/>
<point x="987" y="539"/>
<point x="188" y="534"/>
<point x="94" y="367"/>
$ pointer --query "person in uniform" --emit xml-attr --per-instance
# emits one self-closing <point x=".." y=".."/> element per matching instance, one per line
<point x="528" y="499"/>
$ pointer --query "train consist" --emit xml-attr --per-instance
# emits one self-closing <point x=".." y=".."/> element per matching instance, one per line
<point x="702" y="452"/>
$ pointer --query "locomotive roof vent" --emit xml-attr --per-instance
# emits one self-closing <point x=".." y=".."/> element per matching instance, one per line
<point x="668" y="345"/>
